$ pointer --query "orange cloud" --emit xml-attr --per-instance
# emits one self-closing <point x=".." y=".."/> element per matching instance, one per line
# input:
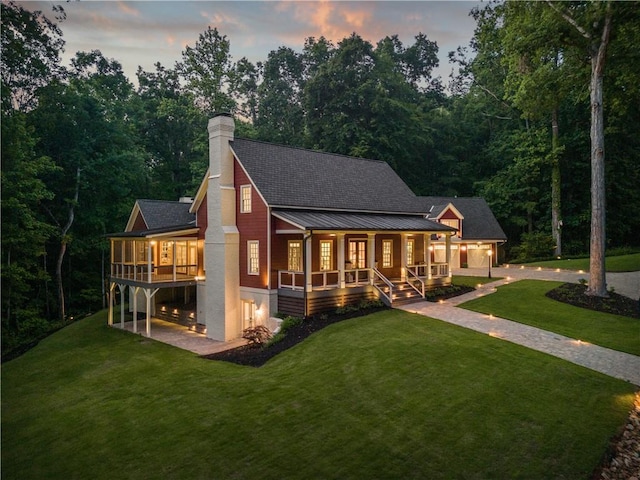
<point x="126" y="8"/>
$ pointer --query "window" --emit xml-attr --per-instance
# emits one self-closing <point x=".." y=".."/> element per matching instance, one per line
<point x="410" y="251"/>
<point x="326" y="250"/>
<point x="166" y="253"/>
<point x="452" y="223"/>
<point x="387" y="253"/>
<point x="253" y="257"/>
<point x="357" y="249"/>
<point x="295" y="256"/>
<point x="245" y="199"/>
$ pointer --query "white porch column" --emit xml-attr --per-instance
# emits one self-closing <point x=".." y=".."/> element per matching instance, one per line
<point x="448" y="250"/>
<point x="112" y="287"/>
<point x="403" y="256"/>
<point x="133" y="298"/>
<point x="308" y="256"/>
<point x="341" y="260"/>
<point x="149" y="294"/>
<point x="122" y="289"/>
<point x="150" y="260"/>
<point x="371" y="253"/>
<point x="427" y="254"/>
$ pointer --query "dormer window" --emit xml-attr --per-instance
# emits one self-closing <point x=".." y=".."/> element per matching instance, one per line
<point x="245" y="199"/>
<point x="450" y="222"/>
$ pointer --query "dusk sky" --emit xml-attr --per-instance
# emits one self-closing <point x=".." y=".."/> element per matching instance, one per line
<point x="145" y="32"/>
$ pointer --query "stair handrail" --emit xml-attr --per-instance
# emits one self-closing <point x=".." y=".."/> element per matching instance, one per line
<point x="415" y="275"/>
<point x="376" y="273"/>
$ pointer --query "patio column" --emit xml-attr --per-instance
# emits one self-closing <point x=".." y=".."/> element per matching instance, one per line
<point x="133" y="298"/>
<point x="149" y="294"/>
<point x="112" y="287"/>
<point x="341" y="260"/>
<point x="308" y="256"/>
<point x="122" y="290"/>
<point x="448" y="251"/>
<point x="427" y="254"/>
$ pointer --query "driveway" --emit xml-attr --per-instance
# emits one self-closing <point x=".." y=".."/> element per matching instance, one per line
<point x="627" y="283"/>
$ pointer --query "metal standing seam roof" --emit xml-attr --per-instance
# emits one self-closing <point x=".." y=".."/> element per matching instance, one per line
<point x="359" y="221"/>
<point x="300" y="178"/>
<point x="479" y="222"/>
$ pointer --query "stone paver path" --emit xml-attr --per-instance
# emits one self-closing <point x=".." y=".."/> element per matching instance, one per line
<point x="610" y="362"/>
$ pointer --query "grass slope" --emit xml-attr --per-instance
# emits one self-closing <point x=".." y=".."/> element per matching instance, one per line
<point x="604" y="329"/>
<point x="391" y="395"/>
<point x="618" y="263"/>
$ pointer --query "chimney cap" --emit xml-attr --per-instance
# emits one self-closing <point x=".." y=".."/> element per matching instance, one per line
<point x="222" y="114"/>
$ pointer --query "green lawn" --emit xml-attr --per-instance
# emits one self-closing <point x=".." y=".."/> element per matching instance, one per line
<point x="619" y="263"/>
<point x="611" y="331"/>
<point x="391" y="395"/>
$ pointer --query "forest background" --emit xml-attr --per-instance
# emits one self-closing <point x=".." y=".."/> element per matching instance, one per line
<point x="81" y="143"/>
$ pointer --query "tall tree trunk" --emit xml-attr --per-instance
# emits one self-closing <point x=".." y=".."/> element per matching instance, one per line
<point x="556" y="181"/>
<point x="598" y="282"/>
<point x="64" y="240"/>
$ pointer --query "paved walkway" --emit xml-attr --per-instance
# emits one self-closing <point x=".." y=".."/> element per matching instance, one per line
<point x="610" y="362"/>
<point x="180" y="336"/>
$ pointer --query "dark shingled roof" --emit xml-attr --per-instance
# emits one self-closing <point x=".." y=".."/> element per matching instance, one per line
<point x="295" y="177"/>
<point x="359" y="221"/>
<point x="161" y="214"/>
<point x="479" y="222"/>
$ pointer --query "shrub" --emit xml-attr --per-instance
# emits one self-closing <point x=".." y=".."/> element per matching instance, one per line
<point x="257" y="336"/>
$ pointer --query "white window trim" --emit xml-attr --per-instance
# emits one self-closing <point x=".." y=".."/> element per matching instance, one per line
<point x="299" y="242"/>
<point x="249" y="257"/>
<point x="243" y="189"/>
<point x="330" y="243"/>
<point x="390" y="243"/>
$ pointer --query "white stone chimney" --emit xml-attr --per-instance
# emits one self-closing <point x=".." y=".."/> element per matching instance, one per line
<point x="221" y="304"/>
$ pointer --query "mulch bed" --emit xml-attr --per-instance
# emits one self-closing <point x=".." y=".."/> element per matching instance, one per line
<point x="574" y="294"/>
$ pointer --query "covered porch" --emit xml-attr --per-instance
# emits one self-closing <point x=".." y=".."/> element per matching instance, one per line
<point x="144" y="264"/>
<point x="328" y="260"/>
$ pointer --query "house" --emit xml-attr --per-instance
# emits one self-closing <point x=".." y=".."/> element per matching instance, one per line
<point x="478" y="233"/>
<point x="277" y="229"/>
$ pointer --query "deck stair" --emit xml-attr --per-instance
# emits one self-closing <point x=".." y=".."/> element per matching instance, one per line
<point x="403" y="293"/>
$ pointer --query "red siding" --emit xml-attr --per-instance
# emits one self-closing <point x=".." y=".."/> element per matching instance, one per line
<point x="138" y="224"/>
<point x="252" y="226"/>
<point x="448" y="214"/>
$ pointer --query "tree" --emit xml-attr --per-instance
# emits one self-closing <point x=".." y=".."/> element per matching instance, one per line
<point x="85" y="126"/>
<point x="281" y="116"/>
<point x="209" y="73"/>
<point x="594" y="23"/>
<point x="170" y="126"/>
<point x="31" y="46"/>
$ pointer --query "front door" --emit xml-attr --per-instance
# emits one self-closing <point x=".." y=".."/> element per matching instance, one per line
<point x="248" y="314"/>
<point x="358" y="253"/>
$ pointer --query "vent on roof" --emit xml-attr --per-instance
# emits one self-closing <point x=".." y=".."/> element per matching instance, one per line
<point x="186" y="200"/>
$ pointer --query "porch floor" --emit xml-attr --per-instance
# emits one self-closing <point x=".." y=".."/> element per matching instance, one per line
<point x="181" y="337"/>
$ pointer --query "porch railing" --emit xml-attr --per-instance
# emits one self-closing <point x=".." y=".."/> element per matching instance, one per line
<point x="291" y="279"/>
<point x="325" y="279"/>
<point x="142" y="273"/>
<point x="387" y="285"/>
<point x="356" y="277"/>
<point x="415" y="281"/>
<point x="439" y="269"/>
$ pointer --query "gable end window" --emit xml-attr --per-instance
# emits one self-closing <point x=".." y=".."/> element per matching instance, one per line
<point x="245" y="199"/>
<point x="455" y="223"/>
<point x="253" y="257"/>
